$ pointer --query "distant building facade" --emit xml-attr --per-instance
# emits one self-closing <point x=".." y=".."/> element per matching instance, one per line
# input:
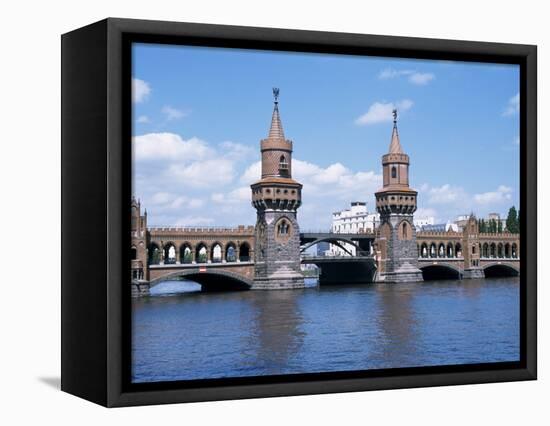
<point x="355" y="220"/>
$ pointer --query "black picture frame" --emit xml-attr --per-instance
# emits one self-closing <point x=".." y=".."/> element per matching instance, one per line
<point x="96" y="167"/>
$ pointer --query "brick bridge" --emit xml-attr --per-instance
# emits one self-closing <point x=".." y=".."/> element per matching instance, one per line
<point x="222" y="258"/>
<point x="448" y="254"/>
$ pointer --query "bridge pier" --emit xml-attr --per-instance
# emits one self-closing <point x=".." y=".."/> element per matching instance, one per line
<point x="472" y="273"/>
<point x="140" y="288"/>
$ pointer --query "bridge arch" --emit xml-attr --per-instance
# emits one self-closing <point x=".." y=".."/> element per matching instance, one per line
<point x="498" y="269"/>
<point x="153" y="254"/>
<point x="216" y="252"/>
<point x="212" y="280"/>
<point x="230" y="252"/>
<point x="169" y="252"/>
<point x="244" y="252"/>
<point x="424" y="250"/>
<point x="337" y="241"/>
<point x="186" y="253"/>
<point x="201" y="252"/>
<point x="440" y="271"/>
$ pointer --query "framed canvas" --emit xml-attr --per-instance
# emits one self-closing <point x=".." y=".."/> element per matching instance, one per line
<point x="255" y="212"/>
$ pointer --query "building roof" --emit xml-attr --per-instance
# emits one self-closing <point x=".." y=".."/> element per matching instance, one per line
<point x="276" y="129"/>
<point x="439" y="227"/>
<point x="395" y="145"/>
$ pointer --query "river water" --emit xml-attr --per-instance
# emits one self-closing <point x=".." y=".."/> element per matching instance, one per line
<point x="196" y="335"/>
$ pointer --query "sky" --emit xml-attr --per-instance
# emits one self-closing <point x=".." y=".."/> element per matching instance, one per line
<point x="199" y="115"/>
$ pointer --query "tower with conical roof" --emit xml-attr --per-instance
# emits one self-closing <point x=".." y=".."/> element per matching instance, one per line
<point x="396" y="204"/>
<point x="276" y="198"/>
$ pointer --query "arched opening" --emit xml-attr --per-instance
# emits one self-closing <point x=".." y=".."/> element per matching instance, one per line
<point x="514" y="251"/>
<point x="393" y="172"/>
<point x="404" y="231"/>
<point x="495" y="271"/>
<point x="458" y="250"/>
<point x="283" y="166"/>
<point x="485" y="252"/>
<point x="441" y="250"/>
<point x="507" y="250"/>
<point x="433" y="250"/>
<point x="439" y="272"/>
<point x="201" y="253"/>
<point x="283" y="228"/>
<point x="473" y="249"/>
<point x="450" y="250"/>
<point x="500" y="250"/>
<point x="169" y="254"/>
<point x="231" y="252"/>
<point x="244" y="252"/>
<point x="133" y="253"/>
<point x="493" y="250"/>
<point x="424" y="250"/>
<point x="153" y="254"/>
<point x="216" y="254"/>
<point x="186" y="254"/>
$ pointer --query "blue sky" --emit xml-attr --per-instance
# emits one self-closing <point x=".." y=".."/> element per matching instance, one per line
<point x="199" y="115"/>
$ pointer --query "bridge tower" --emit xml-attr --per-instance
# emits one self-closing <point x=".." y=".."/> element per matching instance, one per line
<point x="138" y="250"/>
<point x="276" y="198"/>
<point x="471" y="250"/>
<point x="396" y="204"/>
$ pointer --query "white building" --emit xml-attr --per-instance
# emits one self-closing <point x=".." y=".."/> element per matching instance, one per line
<point x="354" y="220"/>
<point x="423" y="221"/>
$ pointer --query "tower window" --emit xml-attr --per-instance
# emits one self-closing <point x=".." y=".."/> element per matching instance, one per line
<point x="283" y="228"/>
<point x="283" y="166"/>
<point x="393" y="172"/>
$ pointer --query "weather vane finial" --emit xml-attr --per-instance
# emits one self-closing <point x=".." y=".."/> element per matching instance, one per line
<point x="276" y="94"/>
<point x="394" y="112"/>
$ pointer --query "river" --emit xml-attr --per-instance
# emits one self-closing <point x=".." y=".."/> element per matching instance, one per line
<point x="195" y="335"/>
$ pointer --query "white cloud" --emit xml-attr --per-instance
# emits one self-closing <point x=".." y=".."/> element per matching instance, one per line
<point x="194" y="221"/>
<point x="143" y="119"/>
<point x="423" y="213"/>
<point x="205" y="173"/>
<point x="235" y="150"/>
<point x="445" y="194"/>
<point x="382" y="112"/>
<point x="140" y="90"/>
<point x="169" y="146"/>
<point x="512" y="107"/>
<point x="421" y="79"/>
<point x="172" y="113"/>
<point x="503" y="193"/>
<point x="238" y="195"/>
<point x="414" y="77"/>
<point x="253" y="173"/>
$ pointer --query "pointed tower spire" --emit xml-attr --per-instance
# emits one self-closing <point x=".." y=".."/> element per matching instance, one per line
<point x="395" y="145"/>
<point x="276" y="129"/>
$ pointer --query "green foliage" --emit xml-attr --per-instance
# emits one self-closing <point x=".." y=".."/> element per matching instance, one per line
<point x="512" y="221"/>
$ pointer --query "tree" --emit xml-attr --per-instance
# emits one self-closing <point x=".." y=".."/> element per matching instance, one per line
<point x="483" y="226"/>
<point x="512" y="221"/>
<point x="499" y="227"/>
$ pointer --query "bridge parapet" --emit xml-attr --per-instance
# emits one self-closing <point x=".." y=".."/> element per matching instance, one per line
<point x="239" y="230"/>
<point x="499" y="236"/>
<point x="431" y="234"/>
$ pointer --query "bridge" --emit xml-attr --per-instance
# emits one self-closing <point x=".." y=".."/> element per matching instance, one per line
<point x="222" y="258"/>
<point x="447" y="254"/>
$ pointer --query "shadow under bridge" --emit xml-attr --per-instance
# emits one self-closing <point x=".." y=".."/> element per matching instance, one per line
<point x="355" y="265"/>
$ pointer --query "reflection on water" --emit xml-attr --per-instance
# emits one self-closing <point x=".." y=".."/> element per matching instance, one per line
<point x="196" y="335"/>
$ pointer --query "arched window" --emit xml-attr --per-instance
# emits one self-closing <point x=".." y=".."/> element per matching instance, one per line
<point x="283" y="166"/>
<point x="133" y="253"/>
<point x="282" y="228"/>
<point x="405" y="236"/>
<point x="393" y="172"/>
